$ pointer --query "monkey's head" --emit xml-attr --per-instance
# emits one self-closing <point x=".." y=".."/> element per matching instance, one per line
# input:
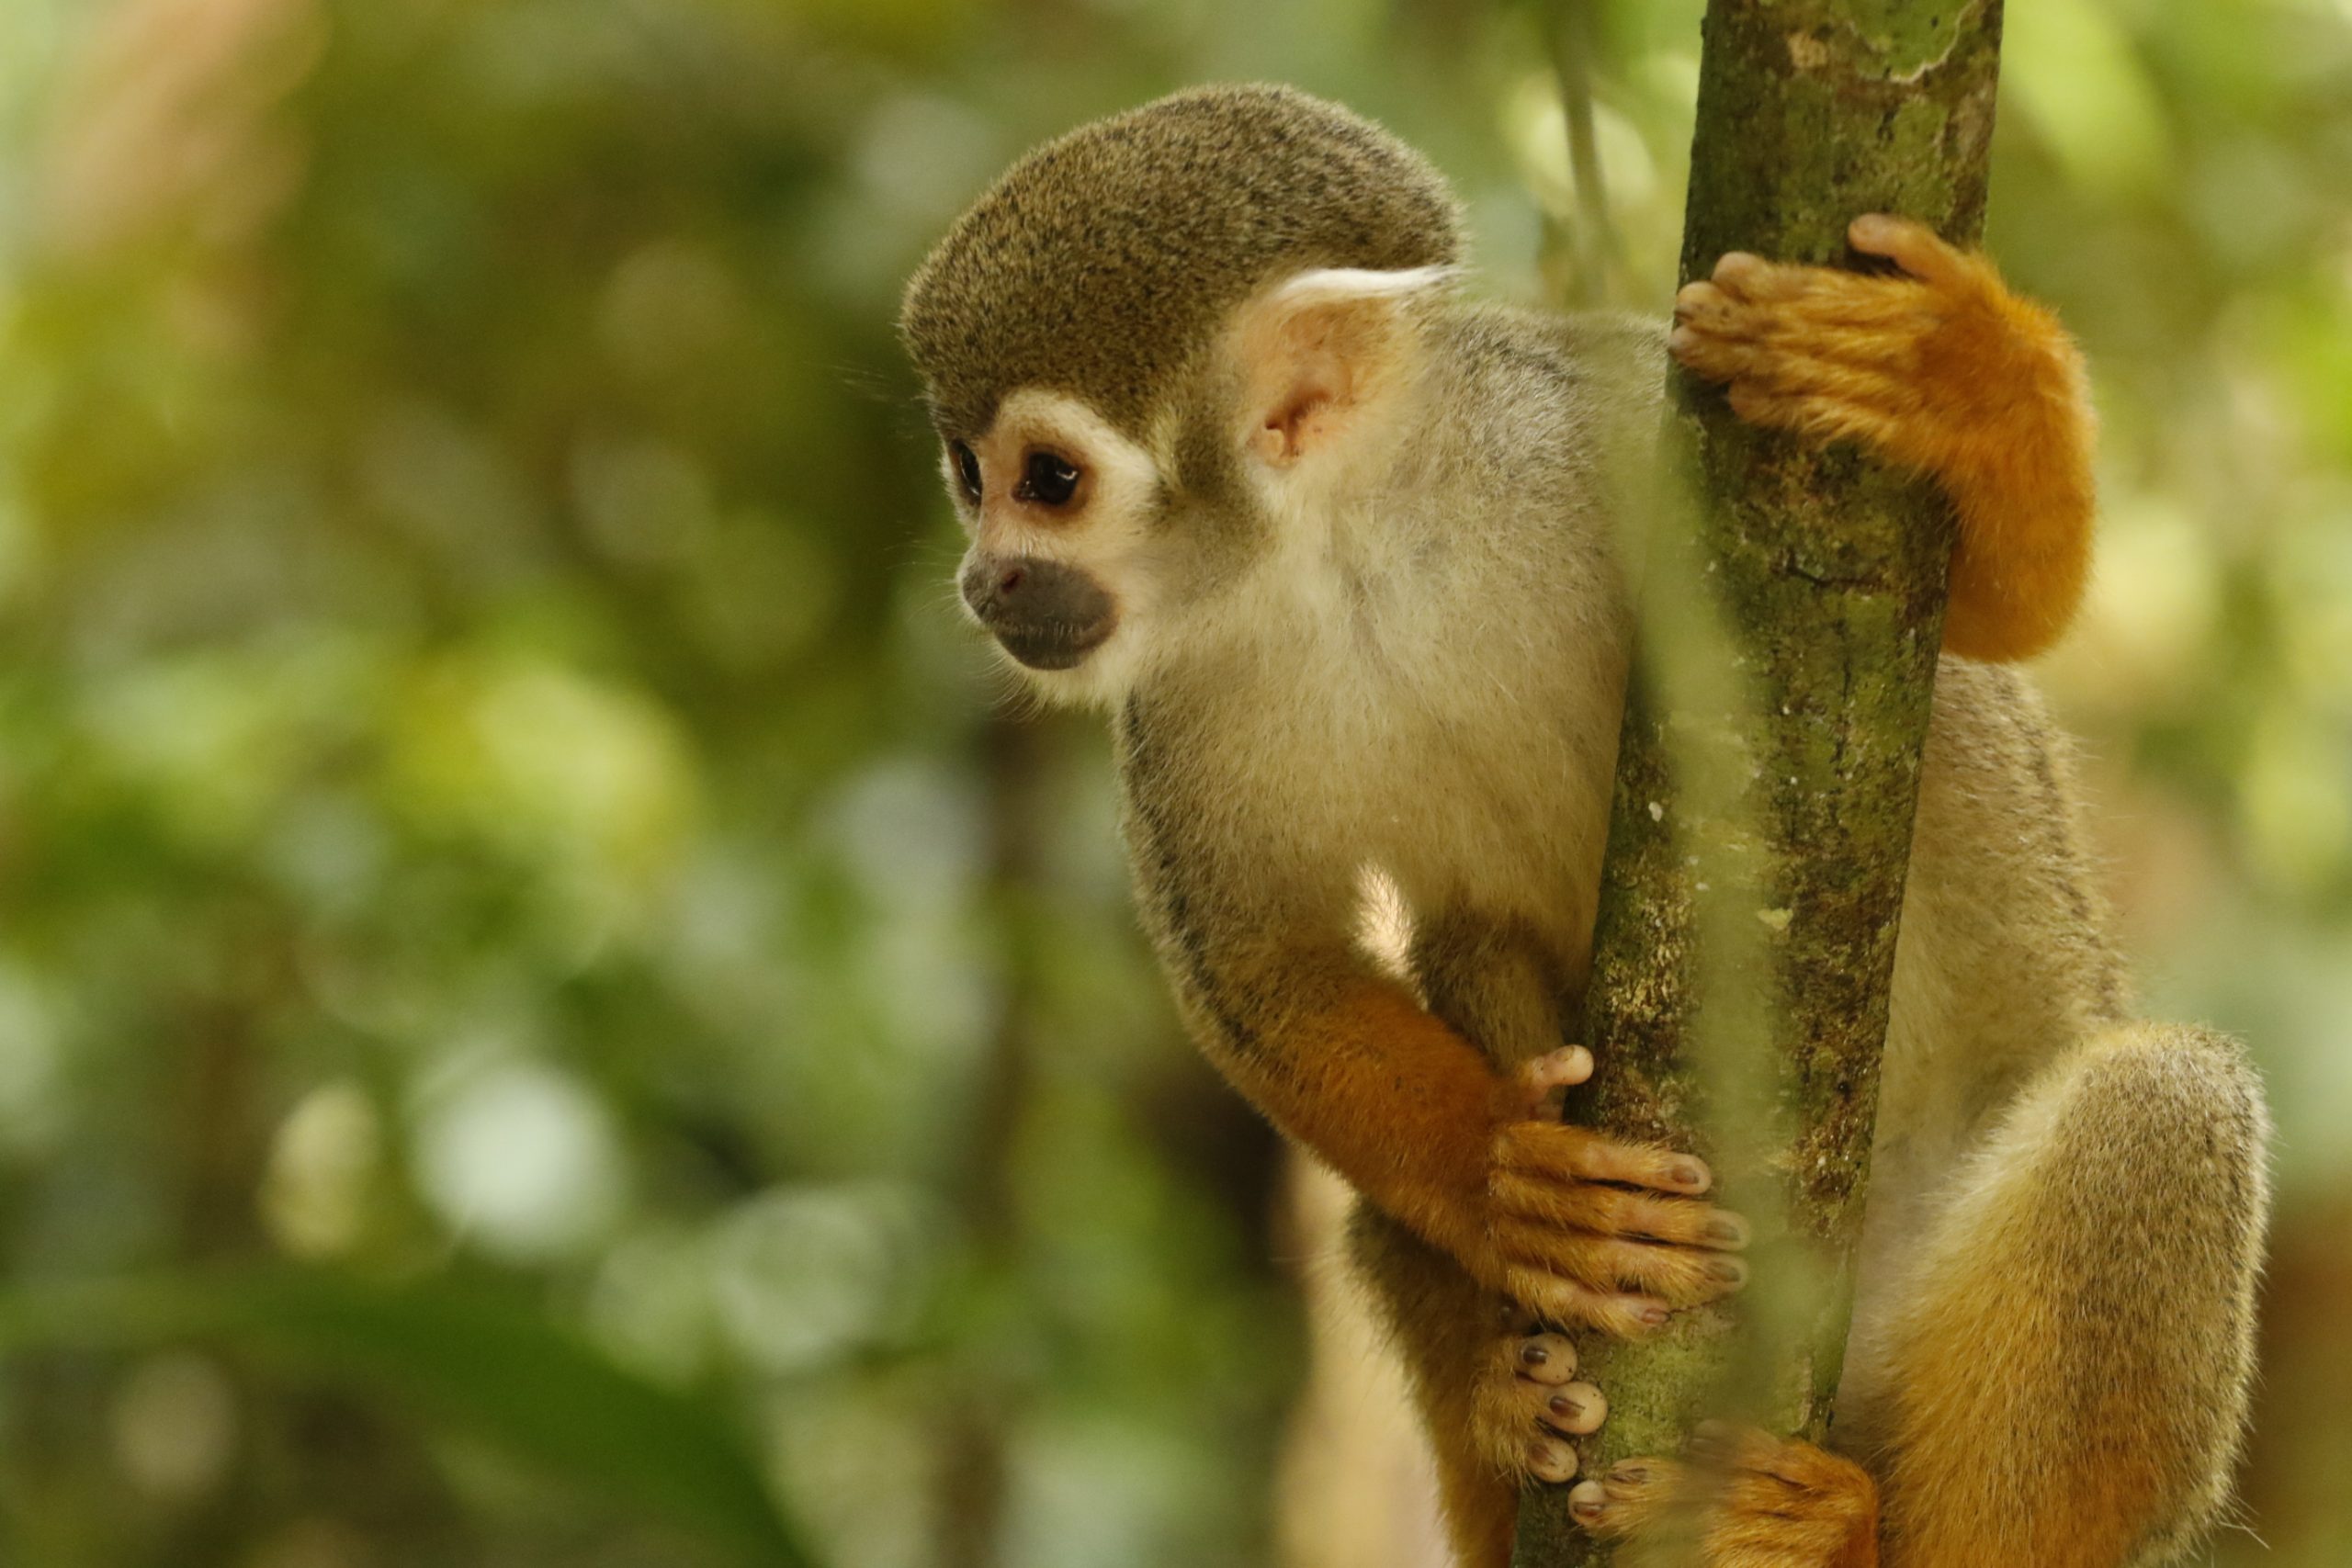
<point x="1144" y="345"/>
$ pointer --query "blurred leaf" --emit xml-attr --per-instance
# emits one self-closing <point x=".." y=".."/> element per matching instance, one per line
<point x="475" y="1361"/>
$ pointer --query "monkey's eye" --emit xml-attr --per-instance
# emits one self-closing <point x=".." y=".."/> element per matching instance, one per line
<point x="968" y="468"/>
<point x="1047" y="480"/>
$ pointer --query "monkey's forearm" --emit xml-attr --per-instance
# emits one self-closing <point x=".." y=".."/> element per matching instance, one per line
<point x="2021" y="481"/>
<point x="1412" y="1115"/>
<point x="1400" y="1106"/>
<point x="2003" y="419"/>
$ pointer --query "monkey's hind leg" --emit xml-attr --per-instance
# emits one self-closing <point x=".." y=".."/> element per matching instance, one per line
<point x="1495" y="1396"/>
<point x="2067" y="1373"/>
<point x="2070" y="1375"/>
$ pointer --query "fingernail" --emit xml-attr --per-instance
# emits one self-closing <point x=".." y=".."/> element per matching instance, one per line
<point x="1533" y="1355"/>
<point x="1729" y="1269"/>
<point x="1723" y="1228"/>
<point x="1562" y="1405"/>
<point x="1551" y="1460"/>
<point x="1631" y="1473"/>
<point x="1654" y="1315"/>
<point x="1690" y="1173"/>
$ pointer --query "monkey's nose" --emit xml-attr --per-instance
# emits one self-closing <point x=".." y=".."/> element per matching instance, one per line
<point x="1026" y="588"/>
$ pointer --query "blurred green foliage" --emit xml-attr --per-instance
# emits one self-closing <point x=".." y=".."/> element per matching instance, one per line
<point x="496" y="807"/>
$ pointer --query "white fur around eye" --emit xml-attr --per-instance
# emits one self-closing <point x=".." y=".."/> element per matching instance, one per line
<point x="1107" y="538"/>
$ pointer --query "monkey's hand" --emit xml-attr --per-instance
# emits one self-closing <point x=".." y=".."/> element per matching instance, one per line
<point x="1754" y="1500"/>
<point x="1586" y="1232"/>
<point x="1941" y="368"/>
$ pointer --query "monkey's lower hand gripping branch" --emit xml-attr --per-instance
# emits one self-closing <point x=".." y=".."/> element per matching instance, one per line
<point x="1579" y="1229"/>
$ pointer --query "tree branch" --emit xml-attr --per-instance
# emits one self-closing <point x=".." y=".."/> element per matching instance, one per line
<point x="1769" y="765"/>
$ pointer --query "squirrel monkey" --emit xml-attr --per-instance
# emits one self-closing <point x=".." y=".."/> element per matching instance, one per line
<point x="1333" y="550"/>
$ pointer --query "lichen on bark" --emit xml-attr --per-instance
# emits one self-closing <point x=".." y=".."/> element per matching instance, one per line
<point x="1769" y="764"/>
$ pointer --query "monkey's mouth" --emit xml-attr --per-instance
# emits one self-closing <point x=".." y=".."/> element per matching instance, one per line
<point x="1055" y="645"/>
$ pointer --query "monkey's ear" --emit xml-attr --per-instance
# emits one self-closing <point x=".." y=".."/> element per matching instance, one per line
<point x="1319" y="352"/>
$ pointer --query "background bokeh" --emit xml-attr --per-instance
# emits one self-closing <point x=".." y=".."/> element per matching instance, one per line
<point x="549" y="1010"/>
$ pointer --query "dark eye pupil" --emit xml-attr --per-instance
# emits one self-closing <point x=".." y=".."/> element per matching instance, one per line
<point x="1047" y="479"/>
<point x="968" y="468"/>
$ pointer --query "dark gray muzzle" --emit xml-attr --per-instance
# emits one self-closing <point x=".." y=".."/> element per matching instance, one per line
<point x="1048" y="615"/>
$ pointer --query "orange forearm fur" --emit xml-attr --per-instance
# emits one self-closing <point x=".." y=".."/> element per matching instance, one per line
<point x="2008" y="430"/>
<point x="1392" y="1099"/>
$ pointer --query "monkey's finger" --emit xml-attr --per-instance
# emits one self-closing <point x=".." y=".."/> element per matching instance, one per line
<point x="1868" y="325"/>
<point x="1703" y="304"/>
<point x="1680" y="1277"/>
<point x="1712" y="354"/>
<point x="1850" y="367"/>
<point x="1625" y="1313"/>
<point x="1553" y="1069"/>
<point x="1913" y="246"/>
<point x="1532" y="1084"/>
<point x="1817" y="416"/>
<point x="1611" y="1211"/>
<point x="1756" y="281"/>
<point x="1576" y="1155"/>
<point x="1881" y="316"/>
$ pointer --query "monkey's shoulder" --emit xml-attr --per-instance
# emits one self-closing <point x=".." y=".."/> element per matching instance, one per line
<point x="1592" y="353"/>
<point x="1573" y="389"/>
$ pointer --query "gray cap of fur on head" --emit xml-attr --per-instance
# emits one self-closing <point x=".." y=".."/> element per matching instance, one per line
<point x="1100" y="261"/>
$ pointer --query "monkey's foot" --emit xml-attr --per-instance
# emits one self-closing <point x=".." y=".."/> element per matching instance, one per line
<point x="1585" y="1231"/>
<point x="1524" y="1406"/>
<point x="1753" y="1501"/>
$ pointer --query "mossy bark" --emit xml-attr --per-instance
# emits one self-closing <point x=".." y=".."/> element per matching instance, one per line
<point x="1769" y="761"/>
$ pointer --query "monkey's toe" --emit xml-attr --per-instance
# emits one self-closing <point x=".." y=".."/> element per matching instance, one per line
<point x="1757" y="1498"/>
<point x="1626" y="1498"/>
<point x="1526" y="1404"/>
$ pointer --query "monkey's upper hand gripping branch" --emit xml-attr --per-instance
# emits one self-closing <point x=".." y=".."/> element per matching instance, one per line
<point x="1941" y="369"/>
<point x="1579" y="1229"/>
